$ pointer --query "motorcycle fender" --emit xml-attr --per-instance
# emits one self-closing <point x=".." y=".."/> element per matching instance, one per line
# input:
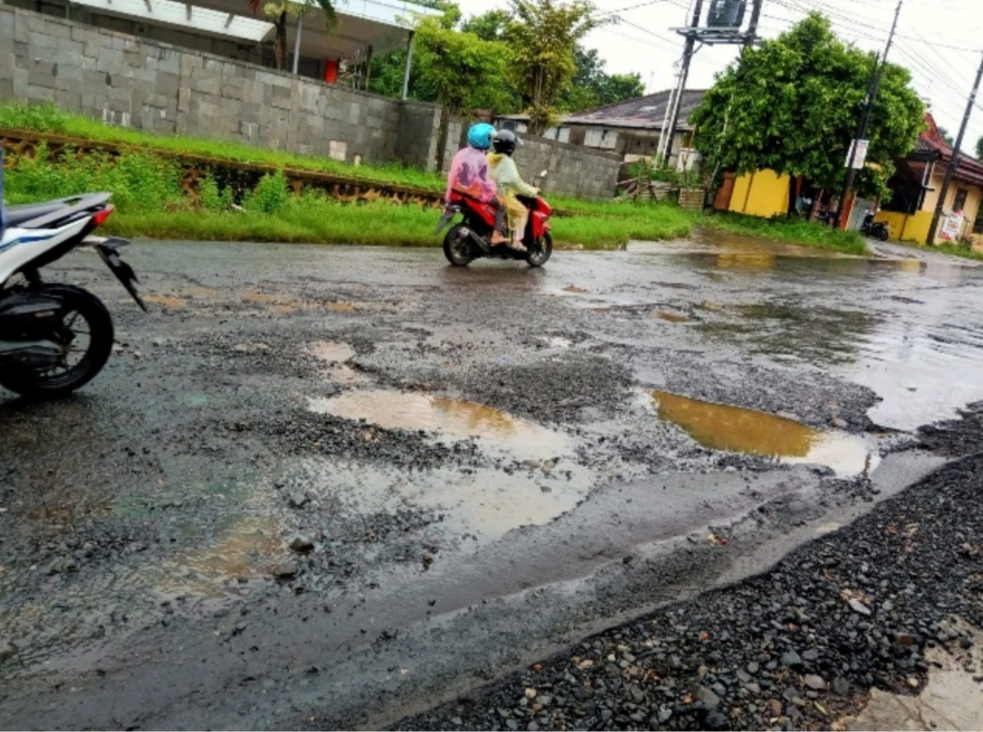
<point x="444" y="221"/>
<point x="108" y="250"/>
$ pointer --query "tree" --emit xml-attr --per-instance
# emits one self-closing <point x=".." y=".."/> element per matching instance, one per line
<point x="463" y="71"/>
<point x="592" y="87"/>
<point x="489" y="26"/>
<point x="792" y="105"/>
<point x="543" y="36"/>
<point x="979" y="150"/>
<point x="279" y="10"/>
<point x="946" y="136"/>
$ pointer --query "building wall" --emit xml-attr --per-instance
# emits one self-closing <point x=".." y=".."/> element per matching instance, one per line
<point x="915" y="228"/>
<point x="164" y="89"/>
<point x="764" y="194"/>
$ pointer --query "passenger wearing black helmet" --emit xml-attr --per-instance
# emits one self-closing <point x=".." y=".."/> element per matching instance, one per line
<point x="510" y="184"/>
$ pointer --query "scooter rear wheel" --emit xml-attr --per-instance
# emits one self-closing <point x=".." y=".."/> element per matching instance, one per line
<point x="85" y="329"/>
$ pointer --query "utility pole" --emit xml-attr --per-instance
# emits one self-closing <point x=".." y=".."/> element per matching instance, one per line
<point x="954" y="163"/>
<point x="865" y="119"/>
<point x="752" y="28"/>
<point x="669" y="131"/>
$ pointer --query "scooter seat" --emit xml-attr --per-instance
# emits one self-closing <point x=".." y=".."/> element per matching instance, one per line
<point x="17" y="215"/>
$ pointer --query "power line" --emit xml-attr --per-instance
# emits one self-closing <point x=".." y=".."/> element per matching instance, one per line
<point x="640" y="5"/>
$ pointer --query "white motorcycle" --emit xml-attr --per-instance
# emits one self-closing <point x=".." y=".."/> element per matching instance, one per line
<point x="55" y="338"/>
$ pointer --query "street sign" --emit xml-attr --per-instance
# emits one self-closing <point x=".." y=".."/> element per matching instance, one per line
<point x="860" y="157"/>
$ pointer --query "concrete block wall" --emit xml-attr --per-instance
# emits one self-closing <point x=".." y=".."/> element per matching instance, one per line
<point x="165" y="89"/>
<point x="416" y="143"/>
<point x="574" y="170"/>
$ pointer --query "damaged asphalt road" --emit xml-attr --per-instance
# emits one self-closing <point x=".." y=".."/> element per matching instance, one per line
<point x="334" y="487"/>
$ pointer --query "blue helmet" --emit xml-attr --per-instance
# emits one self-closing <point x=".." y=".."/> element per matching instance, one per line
<point x="480" y="135"/>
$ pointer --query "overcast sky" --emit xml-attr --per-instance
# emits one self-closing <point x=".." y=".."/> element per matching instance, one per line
<point x="940" y="41"/>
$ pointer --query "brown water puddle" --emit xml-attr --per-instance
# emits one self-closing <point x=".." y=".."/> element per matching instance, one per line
<point x="733" y="429"/>
<point x="167" y="301"/>
<point x="449" y="417"/>
<point x="334" y="355"/>
<point x="670" y="317"/>
<point x="249" y="548"/>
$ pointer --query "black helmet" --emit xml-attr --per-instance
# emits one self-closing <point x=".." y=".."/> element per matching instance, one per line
<point x="505" y="142"/>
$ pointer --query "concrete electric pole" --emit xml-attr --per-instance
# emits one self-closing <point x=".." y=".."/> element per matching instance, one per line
<point x="954" y="163"/>
<point x="864" y="126"/>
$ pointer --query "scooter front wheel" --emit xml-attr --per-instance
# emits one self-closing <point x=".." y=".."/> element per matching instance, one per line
<point x="540" y="253"/>
<point x="457" y="247"/>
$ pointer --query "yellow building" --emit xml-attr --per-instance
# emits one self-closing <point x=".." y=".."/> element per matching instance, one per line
<point x="916" y="187"/>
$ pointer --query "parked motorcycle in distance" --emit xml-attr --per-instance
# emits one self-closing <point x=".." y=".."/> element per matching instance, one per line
<point x="54" y="338"/>
<point x="470" y="238"/>
<point x="875" y="229"/>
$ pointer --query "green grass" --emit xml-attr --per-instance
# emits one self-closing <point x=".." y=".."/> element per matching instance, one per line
<point x="51" y="120"/>
<point x="789" y="231"/>
<point x="316" y="219"/>
<point x="146" y="186"/>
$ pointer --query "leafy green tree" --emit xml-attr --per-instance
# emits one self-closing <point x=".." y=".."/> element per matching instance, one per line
<point x="543" y="36"/>
<point x="489" y="26"/>
<point x="463" y="71"/>
<point x="979" y="150"/>
<point x="387" y="71"/>
<point x="592" y="87"/>
<point x="946" y="136"/>
<point x="277" y="11"/>
<point x="792" y="105"/>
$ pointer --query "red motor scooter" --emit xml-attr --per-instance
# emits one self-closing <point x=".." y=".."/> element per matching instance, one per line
<point x="470" y="238"/>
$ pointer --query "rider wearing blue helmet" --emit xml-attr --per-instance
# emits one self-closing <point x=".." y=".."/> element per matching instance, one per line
<point x="469" y="175"/>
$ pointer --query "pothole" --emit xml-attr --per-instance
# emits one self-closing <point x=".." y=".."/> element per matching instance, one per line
<point x="482" y="503"/>
<point x="332" y="352"/>
<point x="734" y="429"/>
<point x="447" y="417"/>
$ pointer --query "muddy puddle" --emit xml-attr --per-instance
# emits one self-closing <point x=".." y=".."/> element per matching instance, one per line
<point x="247" y="548"/>
<point x="449" y="418"/>
<point x="481" y="504"/>
<point x="733" y="429"/>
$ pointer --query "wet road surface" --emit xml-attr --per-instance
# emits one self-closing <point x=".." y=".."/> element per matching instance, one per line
<point x="333" y="486"/>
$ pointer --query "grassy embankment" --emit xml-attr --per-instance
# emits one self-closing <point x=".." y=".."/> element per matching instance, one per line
<point x="145" y="182"/>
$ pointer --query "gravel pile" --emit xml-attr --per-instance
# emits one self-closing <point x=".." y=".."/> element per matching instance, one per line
<point x="795" y="648"/>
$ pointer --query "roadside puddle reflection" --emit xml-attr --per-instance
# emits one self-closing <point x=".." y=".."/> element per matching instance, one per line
<point x="733" y="429"/>
<point x="449" y="417"/>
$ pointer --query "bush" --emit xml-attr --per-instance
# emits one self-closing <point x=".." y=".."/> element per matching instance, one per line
<point x="139" y="182"/>
<point x="270" y="195"/>
<point x="213" y="199"/>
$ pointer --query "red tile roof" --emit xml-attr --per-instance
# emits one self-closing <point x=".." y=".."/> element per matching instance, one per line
<point x="970" y="169"/>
